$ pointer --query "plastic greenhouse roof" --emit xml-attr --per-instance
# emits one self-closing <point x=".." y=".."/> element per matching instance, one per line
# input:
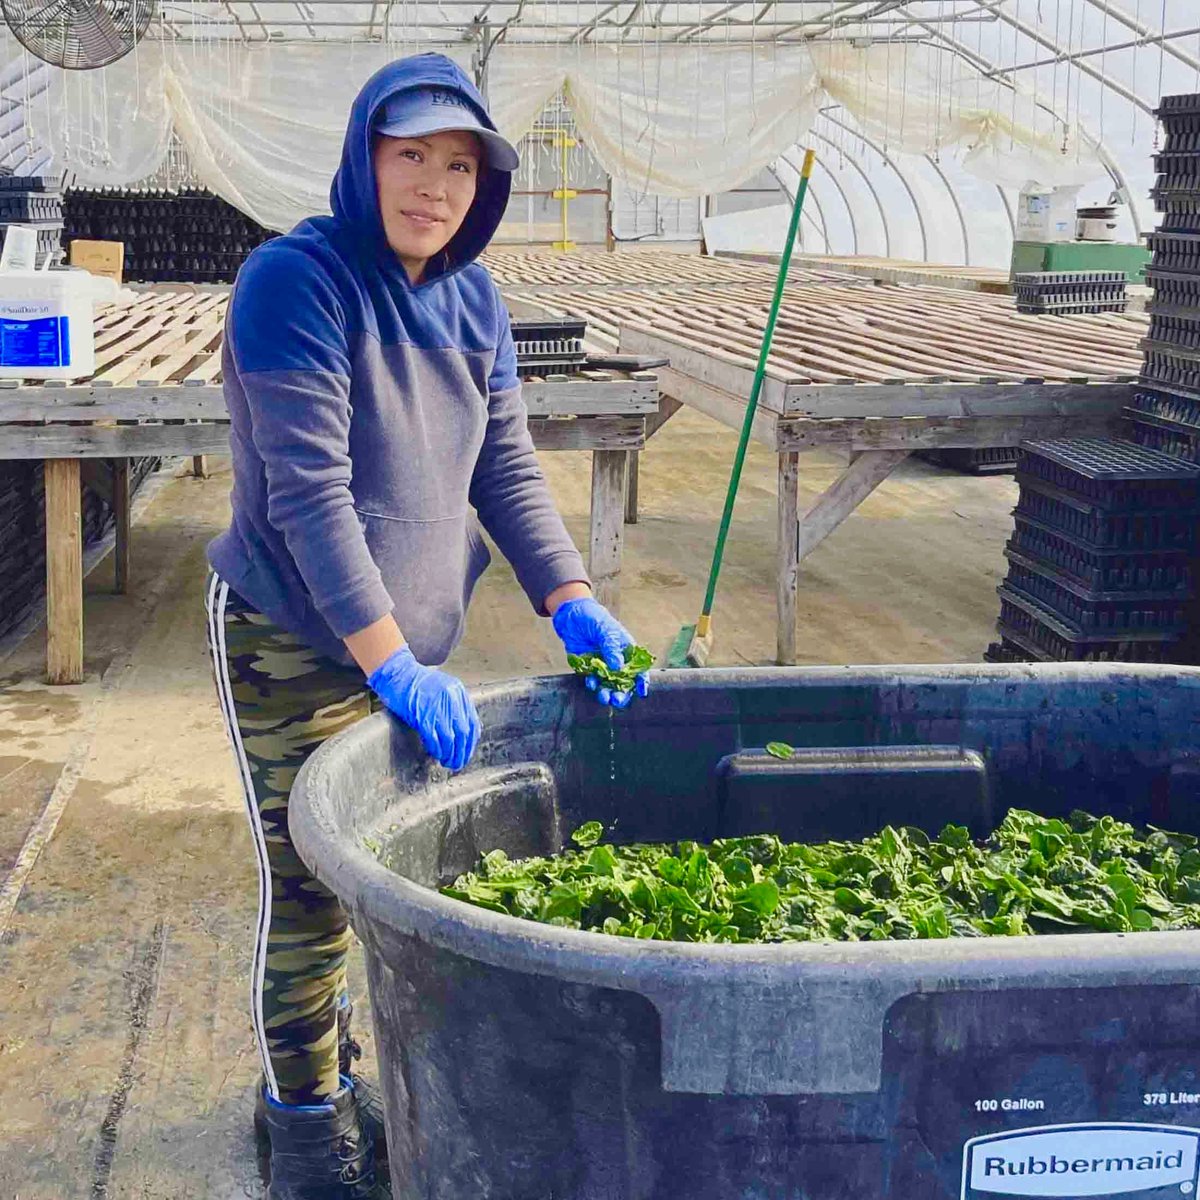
<point x="1100" y="63"/>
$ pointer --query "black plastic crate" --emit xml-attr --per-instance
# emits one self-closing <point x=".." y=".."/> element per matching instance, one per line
<point x="1157" y="435"/>
<point x="1104" y="528"/>
<point x="1026" y="624"/>
<point x="1110" y="473"/>
<point x="1103" y="573"/>
<point x="1175" y="251"/>
<point x="1132" y="613"/>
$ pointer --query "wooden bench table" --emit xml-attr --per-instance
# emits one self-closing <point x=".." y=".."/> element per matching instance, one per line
<point x="157" y="393"/>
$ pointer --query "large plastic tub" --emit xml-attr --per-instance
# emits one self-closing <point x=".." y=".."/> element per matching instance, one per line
<point x="526" y="1062"/>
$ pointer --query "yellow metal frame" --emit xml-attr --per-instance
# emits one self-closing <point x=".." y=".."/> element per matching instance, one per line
<point x="564" y="194"/>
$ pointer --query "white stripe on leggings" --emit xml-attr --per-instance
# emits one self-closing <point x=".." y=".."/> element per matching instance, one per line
<point x="218" y="596"/>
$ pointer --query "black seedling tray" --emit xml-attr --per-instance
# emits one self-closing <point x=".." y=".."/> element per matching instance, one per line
<point x="1176" y="289"/>
<point x="1170" y="368"/>
<point x="570" y="329"/>
<point x="1102" y="574"/>
<point x="1111" y="473"/>
<point x="983" y="460"/>
<point x="1103" y="528"/>
<point x="1177" y="160"/>
<point x="1158" y="435"/>
<point x="1057" y="281"/>
<point x="1184" y="104"/>
<point x="1134" y="613"/>
<point x="1182" y="136"/>
<point x="1070" y="291"/>
<point x="1026" y="624"/>
<point x="28" y="183"/>
<point x="1165" y="409"/>
<point x="1175" y="251"/>
<point x="1005" y="651"/>
<point x="31" y="206"/>
<point x="1174" y="329"/>
<point x="549" y="347"/>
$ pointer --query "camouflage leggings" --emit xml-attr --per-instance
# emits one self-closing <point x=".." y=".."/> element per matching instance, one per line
<point x="281" y="700"/>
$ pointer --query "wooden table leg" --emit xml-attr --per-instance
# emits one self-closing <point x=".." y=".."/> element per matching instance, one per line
<point x="64" y="572"/>
<point x="788" y="558"/>
<point x="121" y="507"/>
<point x="607" y="525"/>
<point x="631" y="486"/>
<point x="200" y="466"/>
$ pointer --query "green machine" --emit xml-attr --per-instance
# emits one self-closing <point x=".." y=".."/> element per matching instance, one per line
<point x="1080" y="256"/>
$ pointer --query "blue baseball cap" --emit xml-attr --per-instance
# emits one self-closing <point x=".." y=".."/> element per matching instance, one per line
<point x="417" y="112"/>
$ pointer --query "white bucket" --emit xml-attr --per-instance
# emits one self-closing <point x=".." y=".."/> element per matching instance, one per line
<point x="46" y="325"/>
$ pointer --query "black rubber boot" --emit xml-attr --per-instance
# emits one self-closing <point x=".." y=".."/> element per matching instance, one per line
<point x="366" y="1092"/>
<point x="321" y="1151"/>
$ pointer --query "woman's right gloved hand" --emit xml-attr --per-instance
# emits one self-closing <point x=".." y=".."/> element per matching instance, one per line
<point x="435" y="704"/>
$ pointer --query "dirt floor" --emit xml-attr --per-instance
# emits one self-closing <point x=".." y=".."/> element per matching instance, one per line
<point x="126" y="1063"/>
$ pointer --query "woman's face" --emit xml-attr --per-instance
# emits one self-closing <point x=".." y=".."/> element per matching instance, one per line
<point x="425" y="186"/>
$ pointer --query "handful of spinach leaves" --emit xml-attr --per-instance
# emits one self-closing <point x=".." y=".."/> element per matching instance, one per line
<point x="637" y="661"/>
<point x="1033" y="875"/>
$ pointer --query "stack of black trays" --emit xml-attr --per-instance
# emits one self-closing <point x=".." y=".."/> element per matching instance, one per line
<point x="23" y="533"/>
<point x="1062" y="292"/>
<point x="1166" y="404"/>
<point x="983" y="460"/>
<point x="1100" y="560"/>
<point x="549" y="347"/>
<point x="189" y="236"/>
<point x="37" y="203"/>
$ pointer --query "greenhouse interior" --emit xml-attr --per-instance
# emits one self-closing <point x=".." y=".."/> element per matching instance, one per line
<point x="723" y="474"/>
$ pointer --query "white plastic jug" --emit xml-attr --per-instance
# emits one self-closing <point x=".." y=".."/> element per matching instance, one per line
<point x="46" y="325"/>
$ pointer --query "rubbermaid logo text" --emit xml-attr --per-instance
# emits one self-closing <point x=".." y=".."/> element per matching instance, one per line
<point x="1082" y="1161"/>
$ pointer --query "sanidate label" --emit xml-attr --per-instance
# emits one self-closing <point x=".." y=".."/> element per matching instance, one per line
<point x="1149" y="1162"/>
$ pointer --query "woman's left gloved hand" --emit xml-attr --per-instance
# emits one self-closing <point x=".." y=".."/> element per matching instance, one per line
<point x="587" y="627"/>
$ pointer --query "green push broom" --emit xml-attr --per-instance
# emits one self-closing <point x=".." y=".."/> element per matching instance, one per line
<point x="693" y="643"/>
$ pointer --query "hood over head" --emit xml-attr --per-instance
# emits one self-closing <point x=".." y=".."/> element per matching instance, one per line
<point x="353" y="196"/>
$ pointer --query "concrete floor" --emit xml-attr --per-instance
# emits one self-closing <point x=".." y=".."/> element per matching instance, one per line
<point x="126" y="1063"/>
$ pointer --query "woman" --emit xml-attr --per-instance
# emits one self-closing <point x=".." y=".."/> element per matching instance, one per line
<point x="374" y="402"/>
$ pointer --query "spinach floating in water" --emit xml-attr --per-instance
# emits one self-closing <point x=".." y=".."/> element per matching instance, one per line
<point x="1033" y="875"/>
<point x="637" y="660"/>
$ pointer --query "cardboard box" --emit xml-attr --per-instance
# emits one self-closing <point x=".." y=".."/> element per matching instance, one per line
<point x="100" y="258"/>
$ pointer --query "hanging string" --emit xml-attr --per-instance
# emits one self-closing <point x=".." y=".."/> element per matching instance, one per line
<point x="1162" y="54"/>
<point x="1012" y="132"/>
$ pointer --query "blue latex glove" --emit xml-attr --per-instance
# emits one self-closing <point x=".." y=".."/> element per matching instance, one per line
<point x="435" y="704"/>
<point x="587" y="627"/>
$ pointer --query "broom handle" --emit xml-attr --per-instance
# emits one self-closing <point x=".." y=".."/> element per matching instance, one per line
<point x="760" y="373"/>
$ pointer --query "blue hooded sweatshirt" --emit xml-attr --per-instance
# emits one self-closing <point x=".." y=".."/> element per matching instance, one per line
<point x="368" y="417"/>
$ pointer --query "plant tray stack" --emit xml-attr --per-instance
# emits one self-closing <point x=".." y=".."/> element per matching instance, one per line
<point x="1057" y="293"/>
<point x="1100" y="561"/>
<point x="547" y="348"/>
<point x="189" y="236"/>
<point x="1166" y="405"/>
<point x="982" y="460"/>
<point x="36" y="203"/>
